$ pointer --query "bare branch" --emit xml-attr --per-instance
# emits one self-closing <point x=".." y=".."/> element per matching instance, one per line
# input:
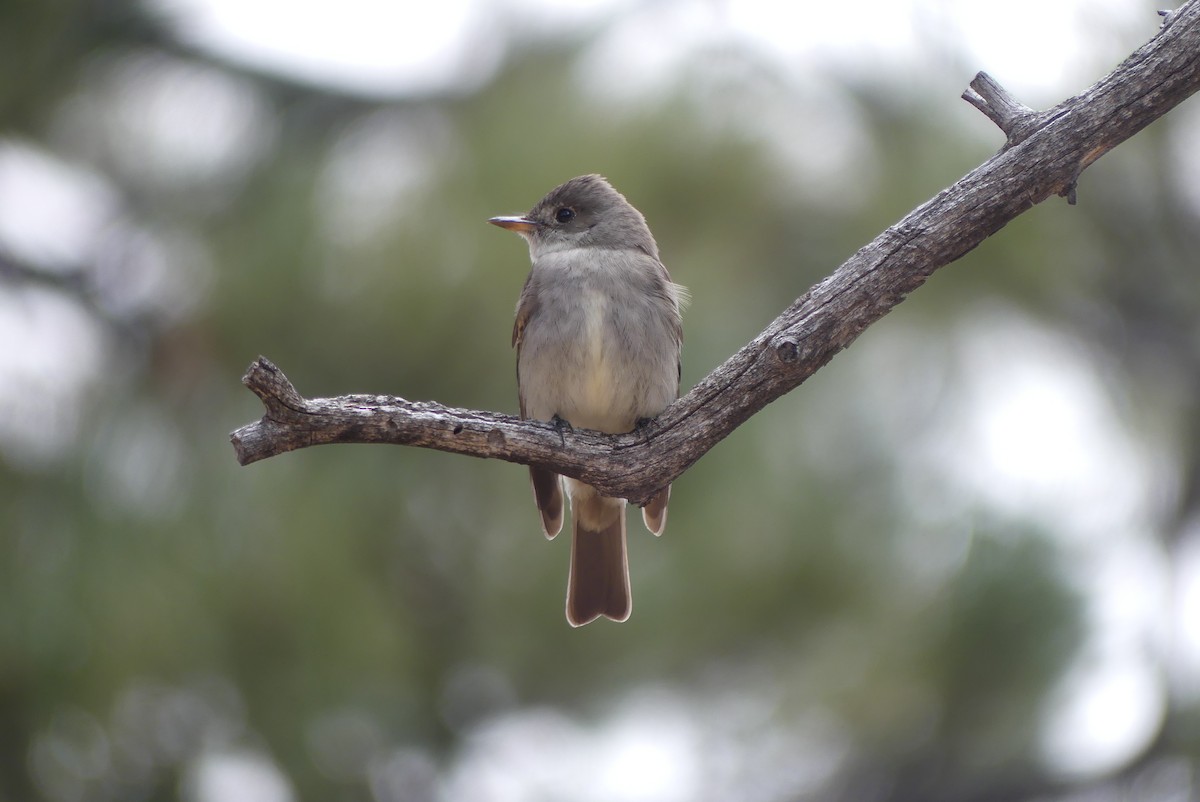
<point x="1044" y="156"/>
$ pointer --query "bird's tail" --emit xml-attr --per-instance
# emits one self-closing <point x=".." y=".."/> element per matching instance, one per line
<point x="599" y="580"/>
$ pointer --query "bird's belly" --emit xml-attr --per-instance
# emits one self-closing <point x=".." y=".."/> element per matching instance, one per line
<point x="581" y="368"/>
<point x="597" y="391"/>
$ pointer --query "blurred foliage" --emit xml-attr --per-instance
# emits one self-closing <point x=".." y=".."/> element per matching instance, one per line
<point x="331" y="608"/>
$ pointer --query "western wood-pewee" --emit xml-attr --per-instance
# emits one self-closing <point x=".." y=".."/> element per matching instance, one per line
<point x="598" y="335"/>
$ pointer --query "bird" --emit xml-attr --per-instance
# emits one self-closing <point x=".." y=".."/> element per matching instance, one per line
<point x="598" y="334"/>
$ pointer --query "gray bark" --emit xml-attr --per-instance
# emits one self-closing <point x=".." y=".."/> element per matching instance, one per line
<point x="1044" y="155"/>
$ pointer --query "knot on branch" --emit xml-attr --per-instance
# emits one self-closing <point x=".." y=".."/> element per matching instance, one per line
<point x="787" y="350"/>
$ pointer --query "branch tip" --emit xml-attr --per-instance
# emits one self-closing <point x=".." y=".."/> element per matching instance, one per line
<point x="1001" y="107"/>
<point x="268" y="382"/>
<point x="972" y="97"/>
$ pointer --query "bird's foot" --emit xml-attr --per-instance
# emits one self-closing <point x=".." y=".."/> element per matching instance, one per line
<point x="563" y="426"/>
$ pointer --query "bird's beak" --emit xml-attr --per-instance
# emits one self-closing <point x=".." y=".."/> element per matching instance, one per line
<point x="520" y="225"/>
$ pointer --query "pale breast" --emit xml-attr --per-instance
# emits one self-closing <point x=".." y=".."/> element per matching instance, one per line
<point x="600" y="351"/>
<point x="600" y="396"/>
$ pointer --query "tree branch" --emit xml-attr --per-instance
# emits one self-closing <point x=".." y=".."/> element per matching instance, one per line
<point x="1044" y="155"/>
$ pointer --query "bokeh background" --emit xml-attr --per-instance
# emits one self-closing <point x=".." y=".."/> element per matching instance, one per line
<point x="960" y="563"/>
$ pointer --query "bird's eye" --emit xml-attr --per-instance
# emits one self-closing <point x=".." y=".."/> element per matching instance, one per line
<point x="564" y="215"/>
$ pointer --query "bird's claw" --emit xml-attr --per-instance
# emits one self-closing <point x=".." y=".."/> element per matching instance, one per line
<point x="562" y="425"/>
